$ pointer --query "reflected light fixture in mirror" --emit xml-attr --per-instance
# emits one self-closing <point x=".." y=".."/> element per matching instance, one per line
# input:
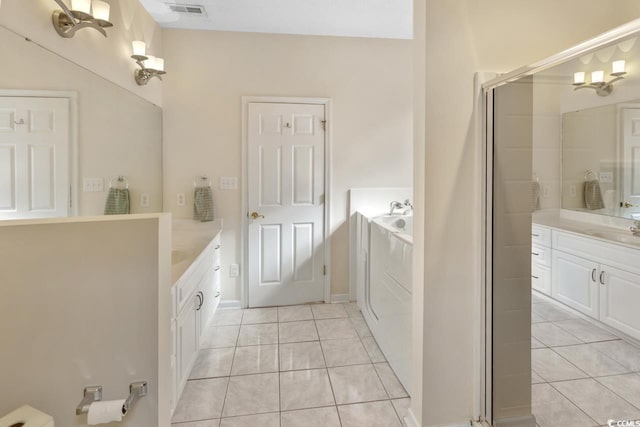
<point x="598" y="83"/>
<point x="67" y="21"/>
<point x="150" y="66"/>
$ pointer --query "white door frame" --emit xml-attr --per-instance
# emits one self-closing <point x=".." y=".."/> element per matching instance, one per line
<point x="615" y="35"/>
<point x="244" y="253"/>
<point x="73" y="134"/>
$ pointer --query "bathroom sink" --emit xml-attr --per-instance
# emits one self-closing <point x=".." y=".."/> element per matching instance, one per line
<point x="617" y="236"/>
<point x="177" y="256"/>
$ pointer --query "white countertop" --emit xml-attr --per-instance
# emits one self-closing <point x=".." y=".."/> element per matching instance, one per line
<point x="568" y="221"/>
<point x="190" y="238"/>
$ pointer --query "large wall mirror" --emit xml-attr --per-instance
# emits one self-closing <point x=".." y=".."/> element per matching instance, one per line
<point x="67" y="135"/>
<point x="586" y="142"/>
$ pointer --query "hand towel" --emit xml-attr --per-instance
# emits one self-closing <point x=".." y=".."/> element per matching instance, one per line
<point x="593" y="195"/>
<point x="535" y="192"/>
<point x="203" y="207"/>
<point x="117" y="202"/>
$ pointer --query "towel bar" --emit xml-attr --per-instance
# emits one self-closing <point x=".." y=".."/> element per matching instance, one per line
<point x="94" y="394"/>
<point x="587" y="174"/>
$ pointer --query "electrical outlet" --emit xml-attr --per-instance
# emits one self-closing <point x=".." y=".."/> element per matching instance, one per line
<point x="90" y="185"/>
<point x="144" y="200"/>
<point x="572" y="190"/>
<point x="234" y="270"/>
<point x="228" y="183"/>
<point x="546" y="191"/>
<point x="180" y="199"/>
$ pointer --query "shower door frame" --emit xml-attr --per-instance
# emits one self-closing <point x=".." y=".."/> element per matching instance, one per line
<point x="486" y="131"/>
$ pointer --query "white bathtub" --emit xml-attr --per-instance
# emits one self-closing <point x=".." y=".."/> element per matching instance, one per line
<point x="386" y="304"/>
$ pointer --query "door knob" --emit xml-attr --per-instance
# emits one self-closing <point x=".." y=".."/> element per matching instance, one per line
<point x="256" y="215"/>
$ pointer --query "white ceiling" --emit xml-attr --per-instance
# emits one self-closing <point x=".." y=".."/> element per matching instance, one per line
<point x="352" y="18"/>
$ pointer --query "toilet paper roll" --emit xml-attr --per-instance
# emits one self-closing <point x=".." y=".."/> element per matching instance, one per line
<point x="106" y="411"/>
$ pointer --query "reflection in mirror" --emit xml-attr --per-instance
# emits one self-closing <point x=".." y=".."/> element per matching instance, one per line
<point x="66" y="133"/>
<point x="586" y="141"/>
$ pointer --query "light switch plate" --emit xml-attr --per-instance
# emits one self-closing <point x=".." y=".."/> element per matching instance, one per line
<point x="234" y="270"/>
<point x="606" y="177"/>
<point x="144" y="200"/>
<point x="90" y="185"/>
<point x="228" y="183"/>
<point x="180" y="199"/>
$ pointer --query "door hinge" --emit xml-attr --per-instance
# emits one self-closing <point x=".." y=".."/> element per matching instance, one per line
<point x="324" y="270"/>
<point x="324" y="124"/>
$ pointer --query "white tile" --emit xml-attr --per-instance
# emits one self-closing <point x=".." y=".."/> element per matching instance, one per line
<point x="201" y="400"/>
<point x="353" y="384"/>
<point x="551" y="312"/>
<point x="626" y="386"/>
<point x="536" y="344"/>
<point x="211" y="363"/>
<point x="220" y="336"/>
<point x="402" y="407"/>
<point x="328" y="311"/>
<point x="344" y="352"/>
<point x="597" y="401"/>
<point x="361" y="326"/>
<point x="352" y="309"/>
<point x="536" y="318"/>
<point x="335" y="329"/>
<point x="590" y="360"/>
<point x="316" y="417"/>
<point x="266" y="333"/>
<point x="389" y="380"/>
<point x="551" y="335"/>
<point x="294" y="313"/>
<point x="252" y="394"/>
<point x="536" y="379"/>
<point x="305" y="389"/>
<point x="374" y="414"/>
<point x="585" y="331"/>
<point x="552" y="409"/>
<point x="204" y="423"/>
<point x="552" y="367"/>
<point x="298" y="331"/>
<point x="535" y="299"/>
<point x="255" y="359"/>
<point x="262" y="420"/>
<point x="260" y="315"/>
<point x="301" y="355"/>
<point x="622" y="352"/>
<point x="375" y="354"/>
<point x="227" y="317"/>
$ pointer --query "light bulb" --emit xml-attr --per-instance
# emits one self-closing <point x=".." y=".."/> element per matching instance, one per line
<point x="101" y="10"/>
<point x="150" y="63"/>
<point x="597" y="76"/>
<point x="83" y="6"/>
<point x="578" y="78"/>
<point x="618" y="67"/>
<point x="139" y="48"/>
<point x="159" y="64"/>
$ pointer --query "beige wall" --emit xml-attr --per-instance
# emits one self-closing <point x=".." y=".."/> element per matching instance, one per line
<point x="368" y="80"/>
<point x="465" y="36"/>
<point x="85" y="302"/>
<point x="108" y="57"/>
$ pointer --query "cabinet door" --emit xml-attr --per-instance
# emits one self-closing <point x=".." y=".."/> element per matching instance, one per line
<point x="188" y="341"/>
<point x="575" y="282"/>
<point x="619" y="300"/>
<point x="207" y="293"/>
<point x="541" y="278"/>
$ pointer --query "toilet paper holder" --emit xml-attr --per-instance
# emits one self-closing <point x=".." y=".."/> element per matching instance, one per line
<point x="94" y="394"/>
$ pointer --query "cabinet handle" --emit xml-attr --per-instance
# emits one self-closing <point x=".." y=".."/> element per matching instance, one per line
<point x="535" y="277"/>
<point x="602" y="277"/>
<point x="593" y="275"/>
<point x="217" y="247"/>
<point x="216" y="268"/>
<point x="535" y="235"/>
<point x="217" y="294"/>
<point x="200" y="295"/>
<point x="535" y="254"/>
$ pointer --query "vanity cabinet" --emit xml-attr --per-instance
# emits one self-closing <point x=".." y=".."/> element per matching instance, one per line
<point x="620" y="299"/>
<point x="541" y="259"/>
<point x="187" y="339"/>
<point x="575" y="282"/>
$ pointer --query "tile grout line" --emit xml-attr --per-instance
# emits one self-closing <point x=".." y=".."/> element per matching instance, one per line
<point x="333" y="393"/>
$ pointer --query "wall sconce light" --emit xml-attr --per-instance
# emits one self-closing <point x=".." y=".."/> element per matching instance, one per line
<point x="150" y="66"/>
<point x="68" y="21"/>
<point x="598" y="83"/>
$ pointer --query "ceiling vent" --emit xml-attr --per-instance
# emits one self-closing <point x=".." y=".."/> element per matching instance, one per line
<point x="189" y="9"/>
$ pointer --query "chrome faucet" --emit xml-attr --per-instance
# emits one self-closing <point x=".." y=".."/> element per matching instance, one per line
<point x="393" y="206"/>
<point x="408" y="206"/>
<point x="635" y="229"/>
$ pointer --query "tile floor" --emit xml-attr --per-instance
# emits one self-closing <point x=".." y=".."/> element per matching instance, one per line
<point x="308" y="365"/>
<point x="582" y="375"/>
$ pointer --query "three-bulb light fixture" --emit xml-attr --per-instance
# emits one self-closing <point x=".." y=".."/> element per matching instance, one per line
<point x="598" y="83"/>
<point x="150" y="66"/>
<point x="82" y="14"/>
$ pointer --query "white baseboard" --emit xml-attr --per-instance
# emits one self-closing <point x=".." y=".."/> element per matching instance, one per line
<point x="229" y="305"/>
<point x="526" y="421"/>
<point x="338" y="298"/>
<point x="410" y="419"/>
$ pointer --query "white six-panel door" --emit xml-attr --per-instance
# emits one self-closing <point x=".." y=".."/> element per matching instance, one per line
<point x="286" y="195"/>
<point x="34" y="157"/>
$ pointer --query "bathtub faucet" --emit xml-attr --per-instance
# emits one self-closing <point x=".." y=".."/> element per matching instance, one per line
<point x="409" y="207"/>
<point x="393" y="206"/>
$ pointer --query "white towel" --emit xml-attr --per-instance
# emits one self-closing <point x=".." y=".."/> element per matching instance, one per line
<point x="593" y="195"/>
